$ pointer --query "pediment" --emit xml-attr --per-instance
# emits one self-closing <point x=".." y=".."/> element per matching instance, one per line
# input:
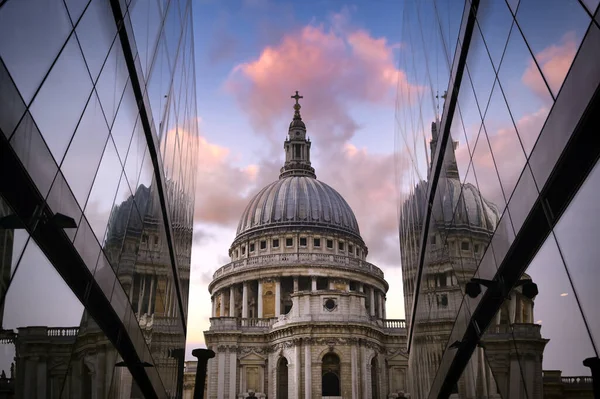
<point x="252" y="358"/>
<point x="397" y="357"/>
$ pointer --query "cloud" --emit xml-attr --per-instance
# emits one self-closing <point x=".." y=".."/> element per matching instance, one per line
<point x="333" y="67"/>
<point x="221" y="185"/>
<point x="555" y="62"/>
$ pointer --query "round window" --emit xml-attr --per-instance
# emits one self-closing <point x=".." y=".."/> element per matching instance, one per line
<point x="329" y="304"/>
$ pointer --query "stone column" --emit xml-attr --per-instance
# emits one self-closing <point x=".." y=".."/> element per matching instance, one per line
<point x="512" y="304"/>
<point x="232" y="372"/>
<point x="372" y="301"/>
<point x="214" y="305"/>
<point x="307" y="372"/>
<point x="245" y="300"/>
<point x="364" y="372"/>
<point x="222" y="309"/>
<point x="295" y="284"/>
<point x="313" y="284"/>
<point x="383" y="305"/>
<point x="151" y="296"/>
<point x="355" y="371"/>
<point x="260" y="300"/>
<point x="298" y="370"/>
<point x="277" y="297"/>
<point x="221" y="373"/>
<point x="380" y="310"/>
<point x="232" y="301"/>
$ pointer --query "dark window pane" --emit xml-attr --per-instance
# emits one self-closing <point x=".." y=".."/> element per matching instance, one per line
<point x="11" y="104"/>
<point x="58" y="106"/>
<point x="84" y="153"/>
<point x="37" y="33"/>
<point x="34" y="154"/>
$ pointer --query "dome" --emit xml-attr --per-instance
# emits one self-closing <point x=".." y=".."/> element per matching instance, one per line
<point x="460" y="206"/>
<point x="298" y="201"/>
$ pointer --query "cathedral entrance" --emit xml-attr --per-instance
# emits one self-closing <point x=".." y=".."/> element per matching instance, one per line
<point x="282" y="378"/>
<point x="330" y="377"/>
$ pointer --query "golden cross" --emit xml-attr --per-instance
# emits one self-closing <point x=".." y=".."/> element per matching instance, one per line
<point x="297" y="97"/>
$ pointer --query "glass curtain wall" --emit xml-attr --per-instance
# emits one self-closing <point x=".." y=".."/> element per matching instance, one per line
<point x="503" y="85"/>
<point x="99" y="129"/>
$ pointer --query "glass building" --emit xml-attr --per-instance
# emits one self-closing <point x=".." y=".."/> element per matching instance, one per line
<point x="496" y="141"/>
<point x="98" y="145"/>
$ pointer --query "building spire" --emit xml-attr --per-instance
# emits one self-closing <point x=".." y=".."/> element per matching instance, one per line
<point x="297" y="147"/>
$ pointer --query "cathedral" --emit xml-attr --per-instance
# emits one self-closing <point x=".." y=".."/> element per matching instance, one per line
<point x="299" y="312"/>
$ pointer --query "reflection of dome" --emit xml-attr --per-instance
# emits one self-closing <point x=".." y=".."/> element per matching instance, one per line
<point x="298" y="201"/>
<point x="466" y="209"/>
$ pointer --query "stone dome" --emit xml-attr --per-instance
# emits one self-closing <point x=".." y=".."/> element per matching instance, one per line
<point x="298" y="201"/>
<point x="461" y="206"/>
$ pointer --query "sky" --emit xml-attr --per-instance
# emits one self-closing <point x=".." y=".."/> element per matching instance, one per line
<point x="251" y="56"/>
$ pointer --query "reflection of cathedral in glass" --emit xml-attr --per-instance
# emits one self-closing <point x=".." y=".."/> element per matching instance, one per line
<point x="462" y="225"/>
<point x="79" y="360"/>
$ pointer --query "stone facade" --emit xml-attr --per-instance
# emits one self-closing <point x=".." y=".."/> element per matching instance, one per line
<point x="299" y="312"/>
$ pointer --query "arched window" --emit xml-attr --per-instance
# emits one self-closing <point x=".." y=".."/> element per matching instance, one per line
<point x="282" y="378"/>
<point x="330" y="377"/>
<point x="374" y="378"/>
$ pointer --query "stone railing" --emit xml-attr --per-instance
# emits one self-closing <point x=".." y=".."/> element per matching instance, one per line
<point x="394" y="324"/>
<point x="298" y="259"/>
<point x="62" y="331"/>
<point x="239" y="323"/>
<point x="555" y="377"/>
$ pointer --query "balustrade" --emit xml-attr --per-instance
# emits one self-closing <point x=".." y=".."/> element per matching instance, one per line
<point x="394" y="323"/>
<point x="315" y="259"/>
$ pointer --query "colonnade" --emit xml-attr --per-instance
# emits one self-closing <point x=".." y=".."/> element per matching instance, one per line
<point x="272" y="292"/>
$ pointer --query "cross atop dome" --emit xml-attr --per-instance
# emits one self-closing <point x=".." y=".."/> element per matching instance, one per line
<point x="297" y="146"/>
<point x="297" y="106"/>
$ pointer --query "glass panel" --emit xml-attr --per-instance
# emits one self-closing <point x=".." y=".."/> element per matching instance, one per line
<point x="58" y="106"/>
<point x="84" y="153"/>
<point x="36" y="40"/>
<point x="12" y="244"/>
<point x="75" y="8"/>
<point x="528" y="98"/>
<point x="87" y="245"/>
<point x="96" y="33"/>
<point x="508" y="154"/>
<point x="145" y="19"/>
<point x="480" y="70"/>
<point x="122" y="129"/>
<point x="523" y="198"/>
<point x="494" y="20"/>
<point x="575" y="233"/>
<point x="487" y="175"/>
<point x="553" y="33"/>
<point x="558" y="313"/>
<point x="61" y="200"/>
<point x="159" y="85"/>
<point x="112" y="81"/>
<point x="34" y="154"/>
<point x="11" y="104"/>
<point x="52" y="316"/>
<point x="102" y="196"/>
<point x="135" y="156"/>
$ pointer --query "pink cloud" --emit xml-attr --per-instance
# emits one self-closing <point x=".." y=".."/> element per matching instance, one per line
<point x="332" y="67"/>
<point x="555" y="62"/>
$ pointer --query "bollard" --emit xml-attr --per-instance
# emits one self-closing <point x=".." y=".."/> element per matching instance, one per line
<point x="203" y="355"/>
